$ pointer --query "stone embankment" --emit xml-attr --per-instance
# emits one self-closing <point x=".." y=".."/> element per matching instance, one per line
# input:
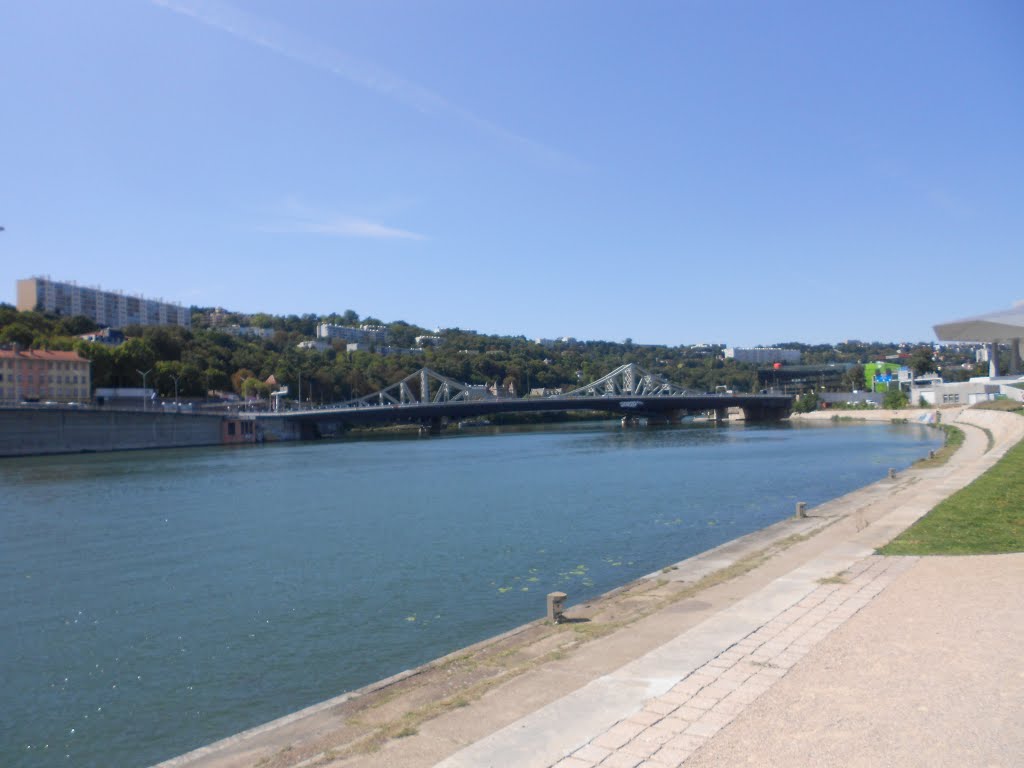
<point x="50" y="430"/>
<point x="676" y="668"/>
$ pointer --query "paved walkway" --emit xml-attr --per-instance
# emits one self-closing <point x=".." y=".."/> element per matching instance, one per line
<point x="676" y="706"/>
<point x="928" y="674"/>
<point x="671" y="727"/>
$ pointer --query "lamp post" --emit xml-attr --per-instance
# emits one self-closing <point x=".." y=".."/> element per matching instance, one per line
<point x="175" y="378"/>
<point x="17" y="374"/>
<point x="144" y="374"/>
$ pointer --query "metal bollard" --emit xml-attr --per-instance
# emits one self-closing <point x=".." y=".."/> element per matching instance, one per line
<point x="801" y="509"/>
<point x="556" y="605"/>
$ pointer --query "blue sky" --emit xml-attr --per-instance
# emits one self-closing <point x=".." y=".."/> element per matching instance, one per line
<point x="673" y="172"/>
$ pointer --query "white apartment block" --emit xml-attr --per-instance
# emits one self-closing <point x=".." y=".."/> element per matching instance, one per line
<point x="366" y="334"/>
<point x="763" y="355"/>
<point x="110" y="308"/>
<point x="249" y="330"/>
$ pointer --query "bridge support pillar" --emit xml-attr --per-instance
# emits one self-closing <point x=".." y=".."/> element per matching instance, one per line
<point x="721" y="415"/>
<point x="762" y="415"/>
<point x="435" y="426"/>
<point x="665" y="417"/>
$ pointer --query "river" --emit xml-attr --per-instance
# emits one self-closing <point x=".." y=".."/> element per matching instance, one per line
<point x="152" y="602"/>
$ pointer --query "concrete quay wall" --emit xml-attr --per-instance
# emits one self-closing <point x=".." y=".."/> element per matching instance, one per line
<point x="40" y="431"/>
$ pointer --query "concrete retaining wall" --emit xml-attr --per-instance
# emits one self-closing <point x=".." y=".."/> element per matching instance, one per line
<point x="1013" y="393"/>
<point x="280" y="430"/>
<point x="35" y="431"/>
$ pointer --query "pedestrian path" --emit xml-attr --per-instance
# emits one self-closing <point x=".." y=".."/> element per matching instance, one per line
<point x="668" y="728"/>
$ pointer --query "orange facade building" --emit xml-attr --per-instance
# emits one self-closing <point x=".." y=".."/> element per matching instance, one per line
<point x="41" y="375"/>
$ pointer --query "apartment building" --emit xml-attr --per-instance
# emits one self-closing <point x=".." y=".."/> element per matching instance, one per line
<point x="763" y="355"/>
<point x="109" y="308"/>
<point x="37" y="374"/>
<point x="249" y="331"/>
<point x="365" y="334"/>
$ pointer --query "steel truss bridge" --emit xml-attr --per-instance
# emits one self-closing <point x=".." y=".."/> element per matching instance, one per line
<point x="432" y="400"/>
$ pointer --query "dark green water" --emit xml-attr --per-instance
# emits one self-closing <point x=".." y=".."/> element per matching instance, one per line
<point x="154" y="602"/>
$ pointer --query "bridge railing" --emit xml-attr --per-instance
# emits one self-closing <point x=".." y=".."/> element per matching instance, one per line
<point x="629" y="380"/>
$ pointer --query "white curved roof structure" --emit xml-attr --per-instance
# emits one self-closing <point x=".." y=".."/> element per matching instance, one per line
<point x="1006" y="325"/>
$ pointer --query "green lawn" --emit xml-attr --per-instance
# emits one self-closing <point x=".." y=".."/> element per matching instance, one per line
<point x="986" y="517"/>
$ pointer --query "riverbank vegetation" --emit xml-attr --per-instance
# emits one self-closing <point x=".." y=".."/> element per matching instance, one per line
<point x="1001" y="405"/>
<point x="954" y="439"/>
<point x="986" y="517"/>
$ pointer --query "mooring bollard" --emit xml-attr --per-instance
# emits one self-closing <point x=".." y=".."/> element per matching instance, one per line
<point x="801" y="509"/>
<point x="556" y="605"/>
<point x="892" y="473"/>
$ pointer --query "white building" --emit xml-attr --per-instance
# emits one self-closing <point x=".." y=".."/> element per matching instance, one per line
<point x="250" y="330"/>
<point x="365" y="334"/>
<point x="317" y="345"/>
<point x="976" y="390"/>
<point x="763" y="355"/>
<point x="110" y="308"/>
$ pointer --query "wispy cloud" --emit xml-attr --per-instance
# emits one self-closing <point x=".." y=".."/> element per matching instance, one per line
<point x="285" y="42"/>
<point x="348" y="226"/>
<point x="300" y="220"/>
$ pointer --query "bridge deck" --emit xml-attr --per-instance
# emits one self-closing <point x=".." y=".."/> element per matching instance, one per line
<point x="755" y="407"/>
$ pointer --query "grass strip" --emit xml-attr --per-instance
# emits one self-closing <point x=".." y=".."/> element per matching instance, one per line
<point x="954" y="439"/>
<point x="986" y="517"/>
<point x="1000" y="405"/>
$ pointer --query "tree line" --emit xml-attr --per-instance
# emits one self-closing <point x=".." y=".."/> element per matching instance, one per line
<point x="206" y="358"/>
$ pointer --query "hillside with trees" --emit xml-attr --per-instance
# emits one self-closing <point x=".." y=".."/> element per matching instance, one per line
<point x="207" y="358"/>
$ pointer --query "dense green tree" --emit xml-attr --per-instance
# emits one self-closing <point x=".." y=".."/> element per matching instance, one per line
<point x="164" y="372"/>
<point x="215" y="379"/>
<point x="75" y="326"/>
<point x="255" y="388"/>
<point x="18" y="333"/>
<point x="103" y="367"/>
<point x="133" y="356"/>
<point x="349" y="317"/>
<point x="854" y="378"/>
<point x="895" y="398"/>
<point x="920" y="361"/>
<point x="806" y="403"/>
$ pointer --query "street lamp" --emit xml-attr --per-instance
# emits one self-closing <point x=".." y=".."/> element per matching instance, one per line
<point x="144" y="374"/>
<point x="176" y="378"/>
<point x="17" y="374"/>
